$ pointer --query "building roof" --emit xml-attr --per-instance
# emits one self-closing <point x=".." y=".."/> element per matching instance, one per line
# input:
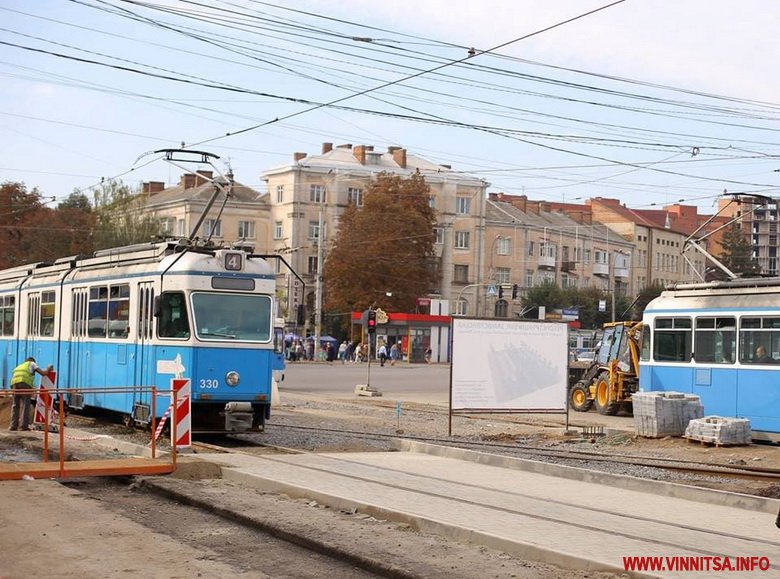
<point x="202" y="193"/>
<point x="345" y="158"/>
<point x="502" y="213"/>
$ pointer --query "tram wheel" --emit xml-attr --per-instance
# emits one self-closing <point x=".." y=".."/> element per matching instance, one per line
<point x="603" y="403"/>
<point x="578" y="398"/>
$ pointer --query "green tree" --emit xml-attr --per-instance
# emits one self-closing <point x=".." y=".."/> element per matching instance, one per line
<point x="120" y="218"/>
<point x="547" y="294"/>
<point x="387" y="245"/>
<point x="736" y="254"/>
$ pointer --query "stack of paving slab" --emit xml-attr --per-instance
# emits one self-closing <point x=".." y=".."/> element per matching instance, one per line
<point x="658" y="414"/>
<point x="720" y="431"/>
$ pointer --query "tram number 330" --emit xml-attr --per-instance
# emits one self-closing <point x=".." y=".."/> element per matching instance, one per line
<point x="209" y="384"/>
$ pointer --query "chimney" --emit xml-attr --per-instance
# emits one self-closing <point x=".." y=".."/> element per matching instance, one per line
<point x="153" y="187"/>
<point x="202" y="177"/>
<point x="327" y="147"/>
<point x="545" y="207"/>
<point x="521" y="202"/>
<point x="493" y="196"/>
<point x="399" y="156"/>
<point x="187" y="180"/>
<point x="360" y="153"/>
<point x="347" y="146"/>
<point x="298" y="156"/>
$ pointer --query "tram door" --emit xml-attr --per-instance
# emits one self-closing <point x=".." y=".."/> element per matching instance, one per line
<point x="144" y="350"/>
<point x="31" y="343"/>
<point x="77" y="353"/>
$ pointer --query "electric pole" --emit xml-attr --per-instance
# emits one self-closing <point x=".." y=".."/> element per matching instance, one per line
<point x="318" y="289"/>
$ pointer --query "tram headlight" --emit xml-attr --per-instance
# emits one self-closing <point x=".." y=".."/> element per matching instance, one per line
<point x="232" y="378"/>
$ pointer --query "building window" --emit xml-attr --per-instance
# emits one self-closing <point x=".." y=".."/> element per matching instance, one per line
<point x="279" y="193"/>
<point x="316" y="194"/>
<point x="503" y="275"/>
<point x="212" y="228"/>
<point x="314" y="229"/>
<point x="439" y="232"/>
<point x="462" y="239"/>
<point x="462" y="205"/>
<point x="460" y="307"/>
<point x="312" y="264"/>
<point x="180" y="228"/>
<point x="461" y="274"/>
<point x="432" y="202"/>
<point x="587" y="256"/>
<point x="530" y="249"/>
<point x="355" y="196"/>
<point x="246" y="229"/>
<point x="529" y="278"/>
<point x="502" y="309"/>
<point x="503" y="246"/>
<point x="278" y="230"/>
<point x="166" y="225"/>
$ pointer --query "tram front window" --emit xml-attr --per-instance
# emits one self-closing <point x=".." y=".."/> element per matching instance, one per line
<point x="241" y="317"/>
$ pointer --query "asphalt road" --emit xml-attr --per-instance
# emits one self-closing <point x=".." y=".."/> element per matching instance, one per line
<point x="419" y="383"/>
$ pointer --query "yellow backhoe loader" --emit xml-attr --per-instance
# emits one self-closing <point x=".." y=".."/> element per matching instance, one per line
<point x="614" y="375"/>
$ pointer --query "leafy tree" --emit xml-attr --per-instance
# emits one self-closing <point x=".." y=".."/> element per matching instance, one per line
<point x="644" y="297"/>
<point x="384" y="246"/>
<point x="546" y="294"/>
<point x="25" y="225"/>
<point x="737" y="253"/>
<point x="120" y="218"/>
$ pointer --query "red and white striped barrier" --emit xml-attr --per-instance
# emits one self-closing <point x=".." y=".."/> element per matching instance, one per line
<point x="44" y="404"/>
<point x="181" y="433"/>
<point x="161" y="424"/>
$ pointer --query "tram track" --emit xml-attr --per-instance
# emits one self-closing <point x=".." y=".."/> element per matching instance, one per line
<point x="746" y="472"/>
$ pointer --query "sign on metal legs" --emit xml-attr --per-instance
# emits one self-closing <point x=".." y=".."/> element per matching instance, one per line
<point x="44" y="404"/>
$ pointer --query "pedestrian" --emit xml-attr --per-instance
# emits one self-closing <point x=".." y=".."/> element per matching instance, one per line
<point x="330" y="352"/>
<point x="428" y="354"/>
<point x="393" y="353"/>
<point x="23" y="378"/>
<point x="343" y="351"/>
<point x="349" y="354"/>
<point x="382" y="353"/>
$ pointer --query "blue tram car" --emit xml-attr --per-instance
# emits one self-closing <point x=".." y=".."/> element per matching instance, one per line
<point x="141" y="315"/>
<point x="721" y="341"/>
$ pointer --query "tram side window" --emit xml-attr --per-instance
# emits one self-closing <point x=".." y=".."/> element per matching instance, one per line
<point x="8" y="311"/>
<point x="173" y="321"/>
<point x="46" y="323"/>
<point x="672" y="340"/>
<point x="715" y="341"/>
<point x="97" y="324"/>
<point x="644" y="354"/>
<point x="118" y="311"/>
<point x="759" y="340"/>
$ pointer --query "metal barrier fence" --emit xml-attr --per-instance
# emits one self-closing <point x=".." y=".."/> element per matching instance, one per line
<point x="101" y="467"/>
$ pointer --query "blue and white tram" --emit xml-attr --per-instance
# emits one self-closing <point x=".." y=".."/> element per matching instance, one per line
<point x="721" y="341"/>
<point x="141" y="315"/>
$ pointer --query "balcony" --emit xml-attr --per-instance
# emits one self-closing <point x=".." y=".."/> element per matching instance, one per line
<point x="546" y="262"/>
<point x="621" y="272"/>
<point x="601" y="269"/>
<point x="568" y="266"/>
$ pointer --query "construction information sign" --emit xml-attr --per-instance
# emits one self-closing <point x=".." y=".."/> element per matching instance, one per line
<point x="507" y="365"/>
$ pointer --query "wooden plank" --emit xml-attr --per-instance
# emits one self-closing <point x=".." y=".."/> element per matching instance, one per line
<point x="102" y="467"/>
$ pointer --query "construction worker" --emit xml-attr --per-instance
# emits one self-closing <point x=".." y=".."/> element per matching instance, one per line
<point x="23" y="378"/>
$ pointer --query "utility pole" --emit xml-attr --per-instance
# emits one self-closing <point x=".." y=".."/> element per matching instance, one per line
<point x="318" y="289"/>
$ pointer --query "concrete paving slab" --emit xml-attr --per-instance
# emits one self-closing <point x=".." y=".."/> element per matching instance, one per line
<point x="561" y="521"/>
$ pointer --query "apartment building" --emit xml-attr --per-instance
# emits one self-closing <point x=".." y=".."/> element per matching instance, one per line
<point x="243" y="219"/>
<point x="758" y="220"/>
<point x="308" y="196"/>
<point x="527" y="244"/>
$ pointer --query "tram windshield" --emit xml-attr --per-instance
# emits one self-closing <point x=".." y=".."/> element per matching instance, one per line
<point x="243" y="317"/>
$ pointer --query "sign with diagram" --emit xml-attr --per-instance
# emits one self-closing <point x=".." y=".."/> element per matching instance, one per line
<point x="509" y="365"/>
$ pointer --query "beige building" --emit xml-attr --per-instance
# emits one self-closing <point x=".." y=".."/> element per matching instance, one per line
<point x="244" y="219"/>
<point x="526" y="244"/>
<point x="308" y="195"/>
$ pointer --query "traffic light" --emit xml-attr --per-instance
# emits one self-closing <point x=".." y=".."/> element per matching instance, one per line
<point x="514" y="292"/>
<point x="300" y="315"/>
<point x="500" y="292"/>
<point x="371" y="321"/>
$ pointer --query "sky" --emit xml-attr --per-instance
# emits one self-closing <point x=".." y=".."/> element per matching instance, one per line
<point x="648" y="101"/>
